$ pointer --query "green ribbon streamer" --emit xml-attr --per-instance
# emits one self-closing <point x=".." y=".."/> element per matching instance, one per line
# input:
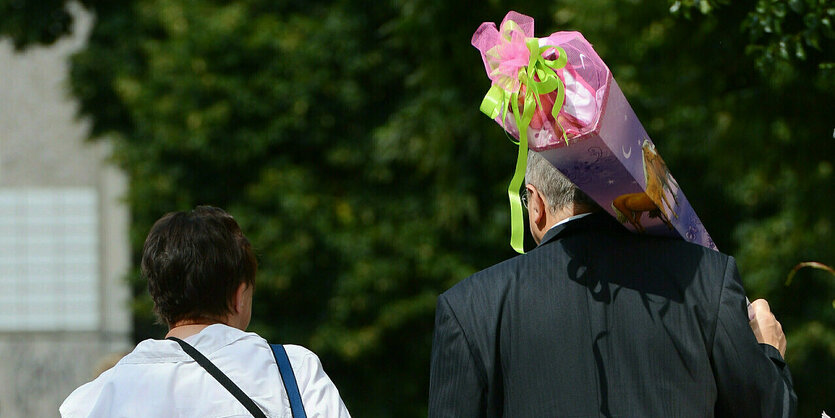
<point x="517" y="229"/>
<point x="539" y="77"/>
<point x="493" y="102"/>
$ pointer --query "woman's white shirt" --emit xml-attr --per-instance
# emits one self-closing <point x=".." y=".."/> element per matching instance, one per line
<point x="159" y="379"/>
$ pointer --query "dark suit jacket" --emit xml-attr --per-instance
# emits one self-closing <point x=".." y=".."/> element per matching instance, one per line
<point x="599" y="322"/>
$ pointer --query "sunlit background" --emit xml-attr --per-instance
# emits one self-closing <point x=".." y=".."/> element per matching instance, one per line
<point x="345" y="138"/>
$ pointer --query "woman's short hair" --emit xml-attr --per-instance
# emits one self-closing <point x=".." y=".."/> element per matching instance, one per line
<point x="194" y="262"/>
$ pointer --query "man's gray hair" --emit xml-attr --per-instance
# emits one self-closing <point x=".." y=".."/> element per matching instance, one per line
<point x="557" y="189"/>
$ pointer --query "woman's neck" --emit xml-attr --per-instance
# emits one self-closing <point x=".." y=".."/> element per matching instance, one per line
<point x="187" y="328"/>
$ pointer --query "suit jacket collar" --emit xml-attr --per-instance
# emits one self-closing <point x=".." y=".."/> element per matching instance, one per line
<point x="595" y="220"/>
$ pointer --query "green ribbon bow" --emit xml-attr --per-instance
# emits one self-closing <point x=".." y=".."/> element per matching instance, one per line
<point x="539" y="77"/>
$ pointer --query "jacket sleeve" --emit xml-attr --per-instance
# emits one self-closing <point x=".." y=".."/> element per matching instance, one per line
<point x="752" y="379"/>
<point x="456" y="387"/>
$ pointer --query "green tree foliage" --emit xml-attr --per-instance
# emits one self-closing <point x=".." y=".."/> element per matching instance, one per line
<point x="345" y="137"/>
<point x="34" y="22"/>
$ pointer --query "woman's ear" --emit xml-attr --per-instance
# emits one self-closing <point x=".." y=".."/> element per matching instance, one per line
<point x="241" y="297"/>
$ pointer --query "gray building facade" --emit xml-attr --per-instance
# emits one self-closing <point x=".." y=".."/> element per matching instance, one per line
<point x="64" y="245"/>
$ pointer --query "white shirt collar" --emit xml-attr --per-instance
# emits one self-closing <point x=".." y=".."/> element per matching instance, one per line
<point x="207" y="341"/>
<point x="568" y="219"/>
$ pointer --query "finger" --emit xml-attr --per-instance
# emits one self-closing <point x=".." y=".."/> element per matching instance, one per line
<point x="761" y="308"/>
<point x="761" y="304"/>
<point x="755" y="327"/>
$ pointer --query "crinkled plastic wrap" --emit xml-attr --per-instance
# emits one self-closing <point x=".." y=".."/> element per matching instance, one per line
<point x="585" y="77"/>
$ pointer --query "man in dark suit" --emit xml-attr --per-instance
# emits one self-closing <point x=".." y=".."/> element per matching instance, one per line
<point x="598" y="321"/>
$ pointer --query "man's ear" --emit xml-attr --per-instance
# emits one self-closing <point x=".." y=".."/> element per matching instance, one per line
<point x="536" y="205"/>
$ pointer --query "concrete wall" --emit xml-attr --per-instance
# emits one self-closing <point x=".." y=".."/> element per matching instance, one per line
<point x="43" y="146"/>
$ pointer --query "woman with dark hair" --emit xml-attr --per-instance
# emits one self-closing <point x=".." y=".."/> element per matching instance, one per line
<point x="201" y="275"/>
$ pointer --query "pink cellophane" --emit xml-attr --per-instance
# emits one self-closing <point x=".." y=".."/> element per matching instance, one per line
<point x="585" y="77"/>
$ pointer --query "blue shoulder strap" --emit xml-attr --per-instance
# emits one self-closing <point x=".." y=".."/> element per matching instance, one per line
<point x="289" y="379"/>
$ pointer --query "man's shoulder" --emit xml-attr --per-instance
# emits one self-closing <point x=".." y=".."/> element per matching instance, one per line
<point x="491" y="281"/>
<point x="673" y="249"/>
<point x="608" y="238"/>
<point x="600" y="232"/>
